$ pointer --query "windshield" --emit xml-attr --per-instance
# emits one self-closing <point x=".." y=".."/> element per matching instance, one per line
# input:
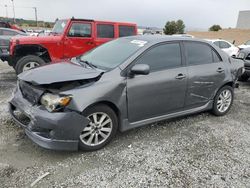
<point x="59" y="26"/>
<point x="112" y="54"/>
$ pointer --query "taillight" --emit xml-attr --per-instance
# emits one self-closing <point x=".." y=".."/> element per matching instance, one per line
<point x="11" y="47"/>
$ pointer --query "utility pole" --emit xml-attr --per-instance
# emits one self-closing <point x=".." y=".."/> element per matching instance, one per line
<point x="6" y="9"/>
<point x="14" y="15"/>
<point x="36" y="15"/>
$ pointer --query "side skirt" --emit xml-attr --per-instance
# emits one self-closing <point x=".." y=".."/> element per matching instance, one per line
<point x="126" y="125"/>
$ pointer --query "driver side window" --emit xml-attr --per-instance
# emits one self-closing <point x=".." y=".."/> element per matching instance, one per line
<point x="161" y="57"/>
<point x="80" y="30"/>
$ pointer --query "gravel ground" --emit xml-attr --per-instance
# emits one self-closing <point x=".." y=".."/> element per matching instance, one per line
<point x="196" y="151"/>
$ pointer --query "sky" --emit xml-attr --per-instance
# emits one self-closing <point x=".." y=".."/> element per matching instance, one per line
<point x="196" y="14"/>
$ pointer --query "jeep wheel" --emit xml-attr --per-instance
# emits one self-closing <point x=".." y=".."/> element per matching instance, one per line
<point x="101" y="129"/>
<point x="28" y="62"/>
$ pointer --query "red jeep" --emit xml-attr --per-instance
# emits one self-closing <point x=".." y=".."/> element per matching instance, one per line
<point x="69" y="38"/>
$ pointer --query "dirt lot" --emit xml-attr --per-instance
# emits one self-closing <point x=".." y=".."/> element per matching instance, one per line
<point x="240" y="36"/>
<point x="196" y="151"/>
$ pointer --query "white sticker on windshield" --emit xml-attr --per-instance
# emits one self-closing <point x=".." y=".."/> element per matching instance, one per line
<point x="140" y="43"/>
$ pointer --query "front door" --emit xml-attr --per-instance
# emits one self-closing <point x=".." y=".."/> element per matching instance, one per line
<point x="79" y="39"/>
<point x="163" y="90"/>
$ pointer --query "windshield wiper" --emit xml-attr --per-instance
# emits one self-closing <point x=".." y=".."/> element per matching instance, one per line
<point x="88" y="63"/>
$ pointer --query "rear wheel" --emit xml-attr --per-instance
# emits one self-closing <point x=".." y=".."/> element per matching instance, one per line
<point x="101" y="129"/>
<point x="28" y="62"/>
<point x="223" y="101"/>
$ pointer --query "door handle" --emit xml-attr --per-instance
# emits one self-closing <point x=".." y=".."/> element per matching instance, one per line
<point x="89" y="43"/>
<point x="220" y="70"/>
<point x="180" y="76"/>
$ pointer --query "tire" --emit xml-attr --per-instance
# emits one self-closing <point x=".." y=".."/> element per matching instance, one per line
<point x="218" y="109"/>
<point x="100" y="110"/>
<point x="24" y="62"/>
<point x="243" y="78"/>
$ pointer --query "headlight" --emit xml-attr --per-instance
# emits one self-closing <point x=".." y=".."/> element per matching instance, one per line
<point x="54" y="102"/>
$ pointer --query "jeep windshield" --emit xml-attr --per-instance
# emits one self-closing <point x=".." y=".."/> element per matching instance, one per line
<point x="59" y="27"/>
<point x="112" y="54"/>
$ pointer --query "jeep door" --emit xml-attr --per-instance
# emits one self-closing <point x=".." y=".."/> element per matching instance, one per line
<point x="163" y="90"/>
<point x="206" y="72"/>
<point x="78" y="38"/>
<point x="104" y="32"/>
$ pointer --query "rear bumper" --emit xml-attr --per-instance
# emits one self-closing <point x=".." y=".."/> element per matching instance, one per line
<point x="57" y="131"/>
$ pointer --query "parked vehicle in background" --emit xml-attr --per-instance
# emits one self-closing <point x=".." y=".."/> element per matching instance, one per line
<point x="5" y="36"/>
<point x="44" y="32"/>
<point x="69" y="38"/>
<point x="121" y="85"/>
<point x="226" y="46"/>
<point x="245" y="45"/>
<point x="244" y="54"/>
<point x="10" y="26"/>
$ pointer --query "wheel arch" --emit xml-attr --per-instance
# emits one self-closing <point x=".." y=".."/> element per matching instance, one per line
<point x="229" y="83"/>
<point x="31" y="49"/>
<point x="109" y="104"/>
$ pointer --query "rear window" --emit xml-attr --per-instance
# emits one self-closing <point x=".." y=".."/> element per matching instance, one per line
<point x="126" y="30"/>
<point x="224" y="44"/>
<point x="198" y="53"/>
<point x="105" y="31"/>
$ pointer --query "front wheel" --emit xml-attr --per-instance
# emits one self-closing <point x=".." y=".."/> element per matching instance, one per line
<point x="223" y="101"/>
<point x="28" y="62"/>
<point x="101" y="129"/>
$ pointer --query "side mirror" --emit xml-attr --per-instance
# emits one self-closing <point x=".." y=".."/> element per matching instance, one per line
<point x="140" y="69"/>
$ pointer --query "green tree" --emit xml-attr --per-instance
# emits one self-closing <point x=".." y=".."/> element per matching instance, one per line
<point x="215" y="28"/>
<point x="174" y="27"/>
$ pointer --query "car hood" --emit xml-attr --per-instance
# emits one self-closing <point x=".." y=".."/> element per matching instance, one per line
<point x="58" y="72"/>
<point x="37" y="39"/>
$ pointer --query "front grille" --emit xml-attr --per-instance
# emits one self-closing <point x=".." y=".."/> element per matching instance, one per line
<point x="30" y="92"/>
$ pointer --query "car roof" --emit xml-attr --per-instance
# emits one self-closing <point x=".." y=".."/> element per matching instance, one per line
<point x="163" y="38"/>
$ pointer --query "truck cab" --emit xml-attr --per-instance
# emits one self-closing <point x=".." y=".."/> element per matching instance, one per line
<point x="69" y="38"/>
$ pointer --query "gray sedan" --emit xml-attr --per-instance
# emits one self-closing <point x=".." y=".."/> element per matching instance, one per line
<point x="5" y="36"/>
<point x="121" y="85"/>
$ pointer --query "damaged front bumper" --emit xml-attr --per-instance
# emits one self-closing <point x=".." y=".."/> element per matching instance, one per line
<point x="57" y="131"/>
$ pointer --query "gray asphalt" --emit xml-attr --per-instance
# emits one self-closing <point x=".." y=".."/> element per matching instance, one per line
<point x="196" y="151"/>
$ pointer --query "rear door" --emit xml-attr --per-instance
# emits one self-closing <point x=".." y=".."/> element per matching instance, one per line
<point x="206" y="73"/>
<point x="163" y="90"/>
<point x="104" y="32"/>
<point x="78" y="38"/>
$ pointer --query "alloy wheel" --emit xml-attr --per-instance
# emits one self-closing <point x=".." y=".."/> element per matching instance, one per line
<point x="98" y="130"/>
<point x="224" y="101"/>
